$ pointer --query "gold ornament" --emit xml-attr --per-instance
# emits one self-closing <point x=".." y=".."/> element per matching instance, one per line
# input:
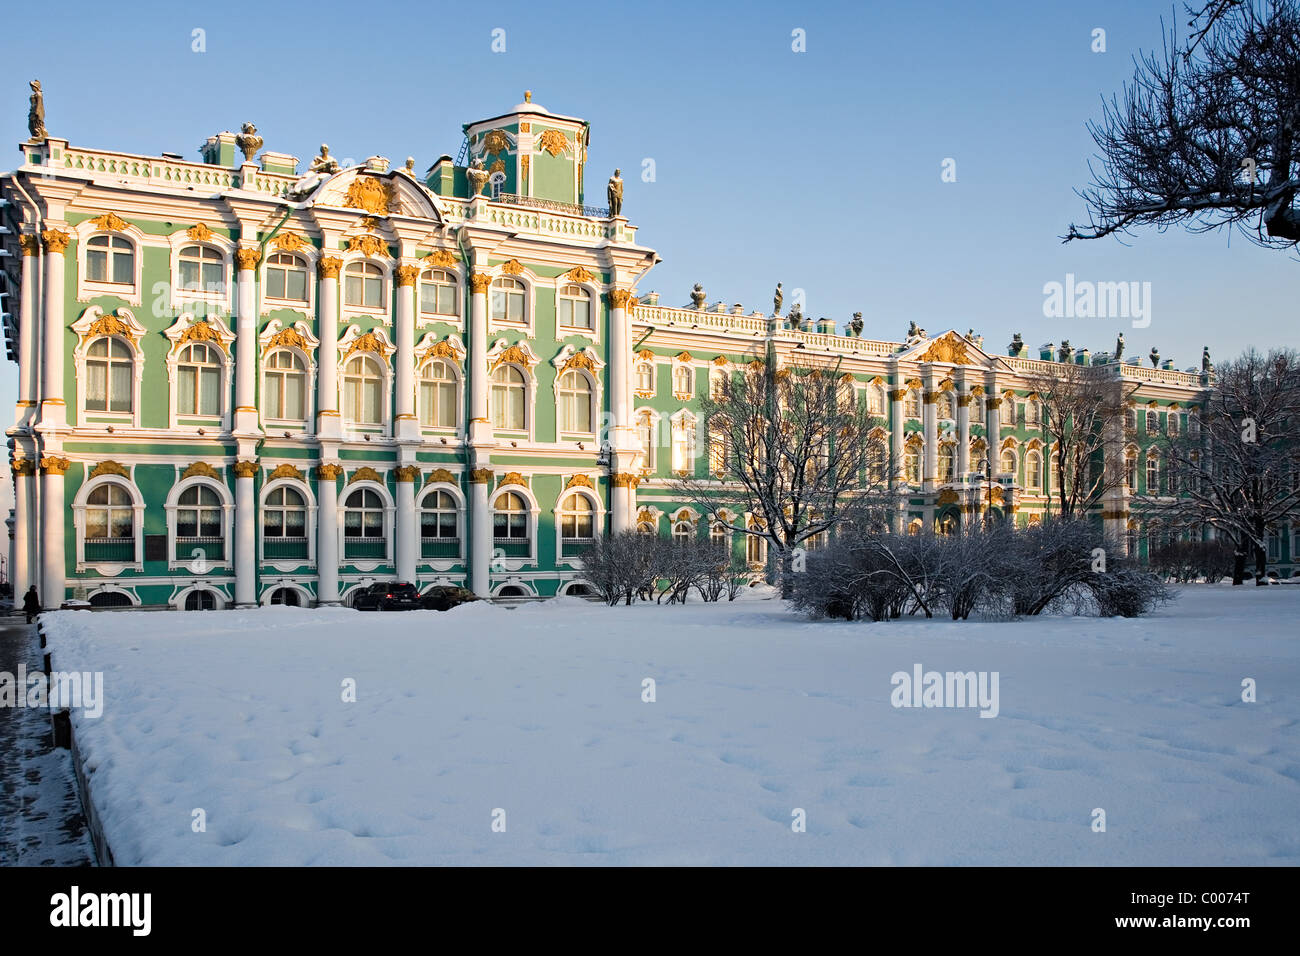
<point x="479" y="282"/>
<point x="579" y="274"/>
<point x="441" y="475"/>
<point x="619" y="298"/>
<point x="109" y="467"/>
<point x="110" y="221"/>
<point x="553" y="141"/>
<point x="578" y="481"/>
<point x="947" y="348"/>
<point x="328" y="472"/>
<point x="368" y="245"/>
<point x="496" y="142"/>
<point x="328" y="267"/>
<point x="512" y="268"/>
<point x="514" y="355"/>
<point x="56" y="241"/>
<point x="53" y="465"/>
<point x="289" y="337"/>
<point x="245" y="469"/>
<point x="290" y="242"/>
<point x="406" y="472"/>
<point x="366" y="473"/>
<point x="368" y="342"/>
<point x="370" y="194"/>
<point x="513" y="478"/>
<point x="625" y="479"/>
<point x="406" y="275"/>
<point x="440" y="258"/>
<point x="247" y="259"/>
<point x="30" y="244"/>
<point x="200" y="468"/>
<point x="199" y="232"/>
<point x="480" y="476"/>
<point x="109" y="325"/>
<point x="200" y="332"/>
<point x="285" y="471"/>
<point x="578" y="360"/>
<point x="23" y="466"/>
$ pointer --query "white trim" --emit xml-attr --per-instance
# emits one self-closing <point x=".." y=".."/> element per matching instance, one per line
<point x="462" y="512"/>
<point x="80" y="327"/>
<point x="385" y="265"/>
<point x="390" y="511"/>
<point x="534" y="510"/>
<point x="87" y="290"/>
<point x="79" y="506"/>
<point x="597" y="517"/>
<point x="530" y="282"/>
<point x="312" y="255"/>
<point x="181" y="300"/>
<point x="227" y="368"/>
<point x="384" y="426"/>
<point x="596" y="290"/>
<point x="178" y="599"/>
<point x="310" y="385"/>
<point x="303" y="487"/>
<point x="172" y="504"/>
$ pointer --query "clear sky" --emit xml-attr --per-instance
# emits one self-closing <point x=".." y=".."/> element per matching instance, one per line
<point x="821" y="169"/>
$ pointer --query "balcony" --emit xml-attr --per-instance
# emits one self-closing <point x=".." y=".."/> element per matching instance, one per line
<point x="575" y="547"/>
<point x="281" y="549"/>
<point x="209" y="548"/>
<point x="440" y="547"/>
<point x="551" y="205"/>
<point x="373" y="549"/>
<point x="116" y="550"/>
<point x="513" y="547"/>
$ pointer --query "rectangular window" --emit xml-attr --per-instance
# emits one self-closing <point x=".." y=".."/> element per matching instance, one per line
<point x="97" y="265"/>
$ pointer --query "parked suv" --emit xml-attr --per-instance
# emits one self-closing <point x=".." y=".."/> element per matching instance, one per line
<point x="444" y="597"/>
<point x="388" y="596"/>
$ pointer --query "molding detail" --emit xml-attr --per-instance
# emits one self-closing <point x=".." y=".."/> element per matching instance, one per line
<point x="440" y="259"/>
<point x="53" y="465"/>
<point x="109" y="467"/>
<point x="56" y="241"/>
<point x="553" y="141"/>
<point x="513" y="478"/>
<point x="578" y="481"/>
<point x="368" y="245"/>
<point x="579" y="274"/>
<point x="328" y="267"/>
<point x="406" y="275"/>
<point x="200" y="468"/>
<point x="512" y="268"/>
<point x="110" y="221"/>
<point x="199" y="232"/>
<point x="285" y="471"/>
<point x="406" y="472"/>
<point x="948" y="348"/>
<point x="370" y="194"/>
<point x="290" y="242"/>
<point x="624" y="479"/>
<point x="618" y="298"/>
<point x="366" y="473"/>
<point x="23" y="466"/>
<point x="246" y="260"/>
<point x="441" y="475"/>
<point x="328" y="472"/>
<point x="479" y="282"/>
<point x="481" y="476"/>
<point x="245" y="469"/>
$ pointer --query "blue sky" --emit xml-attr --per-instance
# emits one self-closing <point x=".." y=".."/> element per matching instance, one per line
<point x="820" y="169"/>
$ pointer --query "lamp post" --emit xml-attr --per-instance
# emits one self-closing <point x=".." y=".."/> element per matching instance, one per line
<point x="985" y="465"/>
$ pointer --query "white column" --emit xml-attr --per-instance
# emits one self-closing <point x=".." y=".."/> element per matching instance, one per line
<point x="896" y="436"/>
<point x="327" y="360"/>
<point x="623" y="493"/>
<point x="28" y="330"/>
<point x="246" y="341"/>
<point x="327" y="534"/>
<point x="245" y="534"/>
<point x="622" y="435"/>
<point x="930" y="422"/>
<point x="53" y="408"/>
<point x="405" y="422"/>
<point x="478" y="385"/>
<point x="408" y="529"/>
<point x="963" y="436"/>
<point x="993" y="437"/>
<point x="23" y="574"/>
<point x="480" y="524"/>
<point x="53" y="587"/>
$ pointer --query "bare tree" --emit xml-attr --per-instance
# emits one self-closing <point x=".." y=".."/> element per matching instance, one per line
<point x="1237" y="469"/>
<point x="1082" y="416"/>
<point x="792" y="448"/>
<point x="1205" y="134"/>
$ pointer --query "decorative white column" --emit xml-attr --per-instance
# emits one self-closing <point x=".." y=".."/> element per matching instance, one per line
<point x="406" y="425"/>
<point x="23" y="575"/>
<point x="896" y="423"/>
<point x="993" y="437"/>
<point x="327" y="534"/>
<point x="408" y="529"/>
<point x="28" y="374"/>
<point x="480" y="440"/>
<point x="328" y="424"/>
<point x="245" y="534"/>
<point x="622" y="436"/>
<point x="963" y="436"/>
<point x="53" y="588"/>
<point x="54" y="410"/>
<point x="930" y="423"/>
<point x="246" y="260"/>
<point x="480" y="524"/>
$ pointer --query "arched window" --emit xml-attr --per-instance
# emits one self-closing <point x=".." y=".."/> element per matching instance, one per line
<point x="496" y="182"/>
<point x="507" y="300"/>
<point x="288" y="597"/>
<point x="109" y="370"/>
<point x="719" y="447"/>
<point x="682" y="531"/>
<point x="1131" y="470"/>
<point x="284" y="524"/>
<point x="1130" y="419"/>
<point x="911" y="466"/>
<point x="1053" y="473"/>
<point x="577" y="524"/>
<point x="575" y="307"/>
<point x="912" y="403"/>
<point x="575" y="402"/>
<point x="755" y="549"/>
<point x="110" y="524"/>
<point x="1007" y="462"/>
<point x="363" y="386"/>
<point x="284" y="390"/>
<point x="717" y="383"/>
<point x="1152" y="422"/>
<point x="1033" y="413"/>
<point x="363" y="525"/>
<point x="947" y="463"/>
<point x="202" y="269"/>
<point x="439" y="526"/>
<point x="110" y="599"/>
<point x="363" y="285"/>
<point x="199" y="523"/>
<point x="509" y="398"/>
<point x="1034" y="470"/>
<point x="1153" y="474"/>
<point x="683" y="380"/>
<point x="438" y="405"/>
<point x="510" y="525"/>
<point x="438" y="293"/>
<point x="645" y="433"/>
<point x="110" y="259"/>
<point x="1131" y="539"/>
<point x="684" y="444"/>
<point x="1171" y="425"/>
<point x="198" y="383"/>
<point x="201" y="599"/>
<point x="645" y="378"/>
<point x="718" y="536"/>
<point x="645" y="527"/>
<point x="875" y="402"/>
<point x="945" y="406"/>
<point x="286" y="277"/>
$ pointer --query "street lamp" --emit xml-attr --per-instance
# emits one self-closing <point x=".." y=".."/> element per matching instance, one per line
<point x="985" y="465"/>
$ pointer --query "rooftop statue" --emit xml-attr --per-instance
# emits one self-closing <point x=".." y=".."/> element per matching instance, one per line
<point x="1066" y="352"/>
<point x="1206" y="364"/>
<point x="36" y="115"/>
<point x="410" y="165"/>
<point x="321" y="166"/>
<point x="614" y="192"/>
<point x="856" y="324"/>
<point x="1017" y="344"/>
<point x="1155" y="357"/>
<point x="1119" y="347"/>
<point x="477" y="176"/>
<point x="777" y="298"/>
<point x="698" y="296"/>
<point x="248" y="141"/>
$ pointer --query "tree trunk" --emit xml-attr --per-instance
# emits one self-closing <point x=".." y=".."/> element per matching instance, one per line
<point x="1261" y="558"/>
<point x="1238" y="559"/>
<point x="787" y="574"/>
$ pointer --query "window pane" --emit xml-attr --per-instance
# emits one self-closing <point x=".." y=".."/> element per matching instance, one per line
<point x="96" y="523"/>
<point x="120" y="387"/>
<point x="446" y="405"/>
<point x="209" y="392"/>
<point x="373" y="288"/>
<point x="294" y="404"/>
<point x="447" y="300"/>
<point x="96" y="265"/>
<point x="297" y="285"/>
<point x="275" y="283"/>
<point x="371" y="411"/>
<point x="123" y="267"/>
<point x="352" y="290"/>
<point x="212" y="278"/>
<point x="121" y="523"/>
<point x="189" y="275"/>
<point x="274" y="384"/>
<point x="96" y="386"/>
<point x="185" y="389"/>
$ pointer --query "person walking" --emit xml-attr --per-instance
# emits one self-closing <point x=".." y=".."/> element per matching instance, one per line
<point x="31" y="603"/>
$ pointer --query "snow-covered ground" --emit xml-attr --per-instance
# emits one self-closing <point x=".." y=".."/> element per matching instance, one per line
<point x="539" y="712"/>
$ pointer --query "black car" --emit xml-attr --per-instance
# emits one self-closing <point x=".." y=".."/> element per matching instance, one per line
<point x="446" y="597"/>
<point x="388" y="596"/>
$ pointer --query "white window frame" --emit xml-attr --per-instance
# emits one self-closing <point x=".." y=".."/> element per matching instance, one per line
<point x="225" y="350"/>
<point x="390" y="510"/>
<point x="137" y="332"/>
<point x="303" y="488"/>
<point x="307" y="306"/>
<point x="86" y="289"/>
<point x="172" y="505"/>
<point x="558" y="513"/>
<point x="524" y="492"/>
<point x="181" y="300"/>
<point x="458" y="496"/>
<point x="385" y="287"/>
<point x="79" y="508"/>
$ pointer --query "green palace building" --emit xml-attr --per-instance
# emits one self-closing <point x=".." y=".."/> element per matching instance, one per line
<point x="240" y="384"/>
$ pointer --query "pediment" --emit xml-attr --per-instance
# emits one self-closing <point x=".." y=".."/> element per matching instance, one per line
<point x="950" y="348"/>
